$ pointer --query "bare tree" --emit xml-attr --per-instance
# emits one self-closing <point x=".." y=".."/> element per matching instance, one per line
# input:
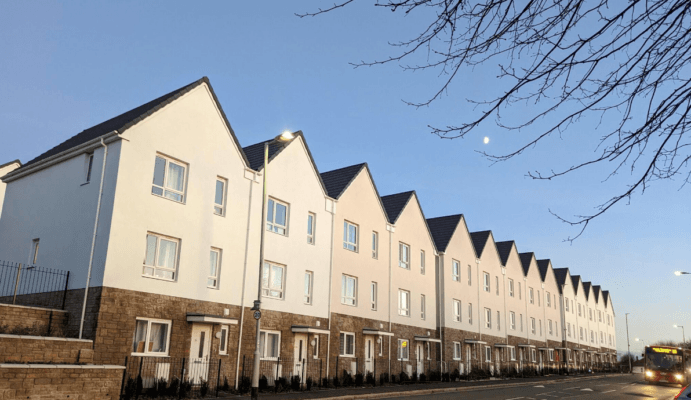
<point x="624" y="63"/>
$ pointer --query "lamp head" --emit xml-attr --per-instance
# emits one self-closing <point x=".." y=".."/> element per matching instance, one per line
<point x="676" y="326"/>
<point x="677" y="273"/>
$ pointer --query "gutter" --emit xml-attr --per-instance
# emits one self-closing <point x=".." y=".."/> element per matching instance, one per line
<point x="60" y="157"/>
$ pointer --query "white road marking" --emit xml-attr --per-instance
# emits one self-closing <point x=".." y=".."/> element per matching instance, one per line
<point x="586" y="390"/>
<point x="572" y="388"/>
<point x="609" y="391"/>
<point x="539" y="386"/>
<point x="515" y="398"/>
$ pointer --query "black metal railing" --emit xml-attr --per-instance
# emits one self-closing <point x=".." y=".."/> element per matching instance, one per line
<point x="31" y="285"/>
<point x="176" y="377"/>
<point x="280" y="374"/>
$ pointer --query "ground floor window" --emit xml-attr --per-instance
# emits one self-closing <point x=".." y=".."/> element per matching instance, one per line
<point x="403" y="349"/>
<point x="347" y="344"/>
<point x="532" y="355"/>
<point x="223" y="344"/>
<point x="456" y="350"/>
<point x="315" y="347"/>
<point x="151" y="337"/>
<point x="513" y="354"/>
<point x="269" y="345"/>
<point x="551" y="355"/>
<point x="488" y="353"/>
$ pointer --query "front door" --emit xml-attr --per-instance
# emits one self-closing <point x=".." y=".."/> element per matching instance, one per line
<point x="199" y="353"/>
<point x="300" y="354"/>
<point x="420" y="357"/>
<point x="369" y="355"/>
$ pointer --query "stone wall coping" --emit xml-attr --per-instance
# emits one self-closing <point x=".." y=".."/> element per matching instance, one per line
<point x="64" y="366"/>
<point x="33" y="308"/>
<point x="6" y="336"/>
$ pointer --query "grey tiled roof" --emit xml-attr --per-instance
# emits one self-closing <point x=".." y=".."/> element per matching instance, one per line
<point x="124" y="121"/>
<point x="525" y="261"/>
<point x="480" y="241"/>
<point x="575" y="279"/>
<point x="395" y="203"/>
<point x="543" y="265"/>
<point x="442" y="229"/>
<point x="255" y="153"/>
<point x="337" y="181"/>
<point x="586" y="289"/>
<point x="605" y="295"/>
<point x="560" y="274"/>
<point x="596" y="289"/>
<point x="504" y="249"/>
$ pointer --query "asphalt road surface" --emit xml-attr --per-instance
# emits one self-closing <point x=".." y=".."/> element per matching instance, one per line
<point x="610" y="388"/>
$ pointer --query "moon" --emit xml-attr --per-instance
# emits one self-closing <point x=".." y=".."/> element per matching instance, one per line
<point x="485" y="140"/>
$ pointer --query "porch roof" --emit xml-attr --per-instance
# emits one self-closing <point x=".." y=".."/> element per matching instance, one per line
<point x="473" y="341"/>
<point x="211" y="319"/>
<point x="427" y="339"/>
<point x="308" y="329"/>
<point x="369" y="331"/>
<point x="527" y="345"/>
<point x="504" y="345"/>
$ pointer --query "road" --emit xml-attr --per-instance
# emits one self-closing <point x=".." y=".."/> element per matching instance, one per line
<point x="610" y="388"/>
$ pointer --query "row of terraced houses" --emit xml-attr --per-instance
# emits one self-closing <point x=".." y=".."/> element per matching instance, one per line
<point x="165" y="206"/>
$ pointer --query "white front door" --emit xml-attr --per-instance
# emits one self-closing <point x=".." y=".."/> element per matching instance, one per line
<point x="420" y="356"/>
<point x="369" y="355"/>
<point x="199" y="353"/>
<point x="300" y="354"/>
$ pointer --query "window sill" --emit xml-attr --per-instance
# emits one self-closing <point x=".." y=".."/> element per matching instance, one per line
<point x="350" y="250"/>
<point x="349" y="305"/>
<point x="272" y="297"/>
<point x="220" y="215"/>
<point x="347" y="356"/>
<point x="158" y="278"/>
<point x="169" y="199"/>
<point x="457" y="359"/>
<point x="212" y="287"/>
<point x="150" y="355"/>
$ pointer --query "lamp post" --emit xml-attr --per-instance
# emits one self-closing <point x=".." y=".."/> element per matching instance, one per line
<point x="283" y="138"/>
<point x="682" y="332"/>
<point x="628" y="344"/>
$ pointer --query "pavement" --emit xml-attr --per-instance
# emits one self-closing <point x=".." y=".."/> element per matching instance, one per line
<point x="606" y="386"/>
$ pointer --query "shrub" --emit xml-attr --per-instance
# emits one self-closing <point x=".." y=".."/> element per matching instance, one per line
<point x="359" y="379"/>
<point x="185" y="388"/>
<point x="172" y="389"/>
<point x="245" y="384"/>
<point x="434" y="376"/>
<point x="414" y="377"/>
<point x="455" y="375"/>
<point x="347" y="379"/>
<point x="445" y="377"/>
<point x="130" y="389"/>
<point x="422" y="377"/>
<point x="263" y="383"/>
<point x="336" y="382"/>
<point x="204" y="388"/>
<point x="394" y="379"/>
<point x="325" y="382"/>
<point x="295" y="383"/>
<point x="369" y="379"/>
<point x="383" y="378"/>
<point x="308" y="383"/>
<point x="403" y="377"/>
<point x="226" y="386"/>
<point x="282" y="384"/>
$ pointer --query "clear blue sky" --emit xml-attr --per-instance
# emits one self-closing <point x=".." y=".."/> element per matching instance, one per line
<point x="68" y="66"/>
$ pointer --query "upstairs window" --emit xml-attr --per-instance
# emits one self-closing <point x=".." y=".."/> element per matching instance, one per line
<point x="403" y="255"/>
<point x="169" y="179"/>
<point x="566" y="305"/>
<point x="496" y="284"/>
<point x="214" y="267"/>
<point x="511" y="287"/>
<point x="422" y="262"/>
<point x="33" y="258"/>
<point x="277" y="217"/>
<point x="512" y="320"/>
<point x="455" y="271"/>
<point x="531" y="296"/>
<point x="498" y="321"/>
<point x="350" y="236"/>
<point x="519" y="291"/>
<point x="549" y="299"/>
<point x="404" y="303"/>
<point x="470" y="313"/>
<point x="311" y="221"/>
<point x="309" y="277"/>
<point x="88" y="165"/>
<point x="488" y="318"/>
<point x="532" y="325"/>
<point x="422" y="306"/>
<point x="373" y="296"/>
<point x="273" y="280"/>
<point x="457" y="310"/>
<point x="349" y="290"/>
<point x="486" y="281"/>
<point x="470" y="275"/>
<point x="220" y="197"/>
<point x="161" y="256"/>
<point x="375" y="245"/>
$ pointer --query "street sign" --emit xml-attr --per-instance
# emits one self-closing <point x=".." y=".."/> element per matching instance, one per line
<point x="257" y="314"/>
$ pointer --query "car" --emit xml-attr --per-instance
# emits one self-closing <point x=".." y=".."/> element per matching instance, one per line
<point x="684" y="393"/>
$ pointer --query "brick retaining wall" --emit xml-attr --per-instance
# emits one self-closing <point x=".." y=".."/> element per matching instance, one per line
<point x="32" y="320"/>
<point x="36" y="349"/>
<point x="43" y="382"/>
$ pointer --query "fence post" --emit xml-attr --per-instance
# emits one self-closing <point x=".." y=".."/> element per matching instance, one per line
<point x="16" y="284"/>
<point x="278" y="363"/>
<point x="320" y="372"/>
<point x="304" y="366"/>
<point x="139" y="376"/>
<point x="64" y="293"/>
<point x="374" y="373"/>
<point x="218" y="377"/>
<point x="124" y="374"/>
<point x="182" y="378"/>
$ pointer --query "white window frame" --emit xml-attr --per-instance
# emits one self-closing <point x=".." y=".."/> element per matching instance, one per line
<point x="164" y="188"/>
<point x="512" y="320"/>
<point x="272" y="225"/>
<point x="599" y="316"/>
<point x="488" y="354"/>
<point x="488" y="318"/>
<point x="566" y="306"/>
<point x="533" y="326"/>
<point x="581" y="333"/>
<point x="513" y="354"/>
<point x="225" y="329"/>
<point x="455" y="271"/>
<point x="347" y="244"/>
<point x="470" y="275"/>
<point x="311" y="227"/>
<point x="155" y="265"/>
<point x="511" y="287"/>
<point x="268" y="288"/>
<point x="262" y="349"/>
<point x="549" y="326"/>
<point x="212" y="280"/>
<point x="521" y="320"/>
<point x="531" y="296"/>
<point x="147" y="340"/>
<point x="579" y="310"/>
<point x="538" y="297"/>
<point x="375" y="245"/>
<point x="470" y="313"/>
<point x="498" y="320"/>
<point x="551" y="355"/>
<point x="422" y="262"/>
<point x="343" y="338"/>
<point x="496" y="284"/>
<point x="373" y="296"/>
<point x="457" y="317"/>
<point x="403" y="263"/>
<point x="520" y="292"/>
<point x="88" y="167"/>
<point x="549" y="299"/>
<point x="533" y="355"/>
<point x="401" y="350"/>
<point x="403" y="309"/>
<point x="220" y="209"/>
<point x="486" y="282"/>
<point x="423" y="306"/>
<point x="315" y="348"/>
<point x="349" y="300"/>
<point x="308" y="287"/>
<point x="33" y="254"/>
<point x="457" y="351"/>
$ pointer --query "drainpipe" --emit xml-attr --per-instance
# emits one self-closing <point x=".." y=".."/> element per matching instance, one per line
<point x="479" y="322"/>
<point x="331" y="266"/>
<point x="390" y="228"/>
<point x="244" y="274"/>
<point x="93" y="238"/>
<point x="439" y="264"/>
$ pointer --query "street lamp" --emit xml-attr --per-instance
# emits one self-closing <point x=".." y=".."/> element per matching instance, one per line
<point x="682" y="332"/>
<point x="680" y="273"/>
<point x="628" y="344"/>
<point x="283" y="138"/>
